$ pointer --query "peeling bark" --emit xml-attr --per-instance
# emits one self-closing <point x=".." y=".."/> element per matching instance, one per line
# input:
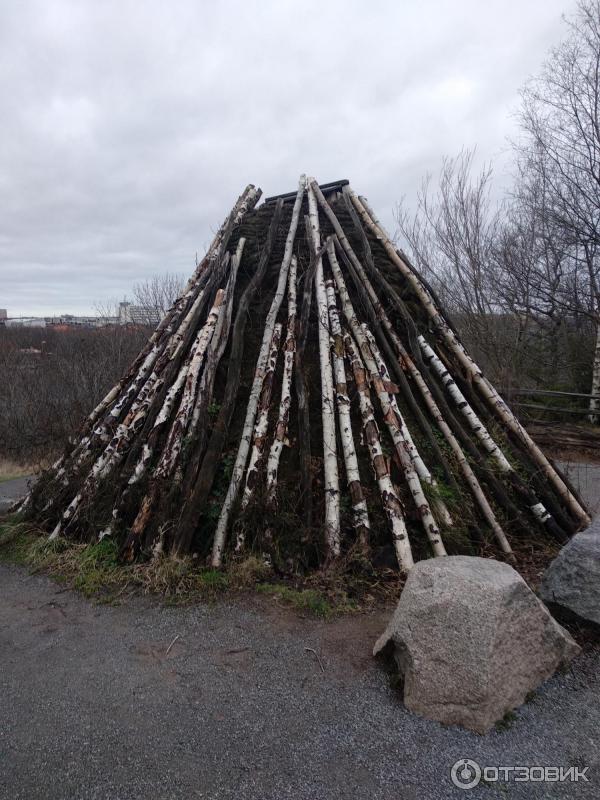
<point x="389" y="498"/>
<point x="595" y="402"/>
<point x="392" y="420"/>
<point x="419" y="465"/>
<point x="330" y="465"/>
<point x="359" y="504"/>
<point x="289" y="352"/>
<point x="262" y="420"/>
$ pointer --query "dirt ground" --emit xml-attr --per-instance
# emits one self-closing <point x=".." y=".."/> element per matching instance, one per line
<point x="246" y="700"/>
<point x="242" y="700"/>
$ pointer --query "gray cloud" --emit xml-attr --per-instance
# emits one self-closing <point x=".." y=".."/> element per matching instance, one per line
<point x="128" y="128"/>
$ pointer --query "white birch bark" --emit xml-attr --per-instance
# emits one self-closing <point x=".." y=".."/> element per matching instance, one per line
<point x="218" y="343"/>
<point x="262" y="424"/>
<point x="428" y="521"/>
<point x="468" y="473"/>
<point x="115" y="449"/>
<point x="186" y="383"/>
<point x="214" y="351"/>
<point x="452" y="441"/>
<point x="359" y="504"/>
<point x="463" y="406"/>
<point x="244" y="446"/>
<point x="487" y="391"/>
<point x="389" y="498"/>
<point x="481" y="432"/>
<point x="289" y="349"/>
<point x="174" y="442"/>
<point x="595" y="401"/>
<point x="330" y="465"/>
<point x="119" y="444"/>
<point x="420" y="466"/>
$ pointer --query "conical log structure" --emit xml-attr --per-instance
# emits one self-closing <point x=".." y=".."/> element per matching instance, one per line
<point x="305" y="398"/>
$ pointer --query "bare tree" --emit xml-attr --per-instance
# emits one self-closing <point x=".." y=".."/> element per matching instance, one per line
<point x="561" y="150"/>
<point x="157" y="294"/>
<point x="451" y="237"/>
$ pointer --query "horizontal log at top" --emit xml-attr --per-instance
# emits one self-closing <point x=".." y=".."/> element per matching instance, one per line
<point x="324" y="187"/>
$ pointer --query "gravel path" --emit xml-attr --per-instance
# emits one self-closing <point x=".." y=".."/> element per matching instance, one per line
<point x="12" y="490"/>
<point x="92" y="706"/>
<point x="586" y="478"/>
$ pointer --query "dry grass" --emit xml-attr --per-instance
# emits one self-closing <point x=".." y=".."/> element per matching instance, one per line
<point x="10" y="469"/>
<point x="95" y="571"/>
<point x="352" y="584"/>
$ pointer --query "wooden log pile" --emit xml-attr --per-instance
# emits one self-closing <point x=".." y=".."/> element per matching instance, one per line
<point x="305" y="398"/>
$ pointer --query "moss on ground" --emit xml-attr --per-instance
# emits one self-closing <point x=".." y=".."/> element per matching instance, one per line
<point x="309" y="600"/>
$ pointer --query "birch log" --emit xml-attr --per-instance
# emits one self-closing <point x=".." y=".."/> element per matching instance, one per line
<point x="172" y="448"/>
<point x="478" y="428"/>
<point x="419" y="465"/>
<point x="198" y="425"/>
<point x="595" y="401"/>
<point x="219" y="341"/>
<point x="289" y="351"/>
<point x="452" y="441"/>
<point x="130" y="547"/>
<point x="359" y="505"/>
<point x="304" y="444"/>
<point x="427" y="396"/>
<point x="187" y="380"/>
<point x="486" y="390"/>
<point x="244" y="446"/>
<point x="330" y="465"/>
<point x="368" y="293"/>
<point x="391" y="419"/>
<point x="261" y="426"/>
<point x="389" y="498"/>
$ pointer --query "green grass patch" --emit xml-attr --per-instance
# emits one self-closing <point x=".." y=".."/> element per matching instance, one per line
<point x="95" y="570"/>
<point x="310" y="600"/>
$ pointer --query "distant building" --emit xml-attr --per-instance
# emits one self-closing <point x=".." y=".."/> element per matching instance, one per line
<point x="24" y="322"/>
<point x="128" y="314"/>
<point x="72" y="321"/>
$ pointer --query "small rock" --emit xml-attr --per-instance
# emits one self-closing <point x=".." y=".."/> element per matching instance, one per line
<point x="572" y="581"/>
<point x="471" y="640"/>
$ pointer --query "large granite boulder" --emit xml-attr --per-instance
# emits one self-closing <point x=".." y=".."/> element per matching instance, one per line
<point x="572" y="581"/>
<point x="471" y="640"/>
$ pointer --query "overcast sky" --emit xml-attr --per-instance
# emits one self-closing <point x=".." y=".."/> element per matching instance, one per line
<point x="129" y="128"/>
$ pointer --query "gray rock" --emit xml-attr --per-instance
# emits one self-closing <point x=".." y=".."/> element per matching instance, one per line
<point x="572" y="580"/>
<point x="471" y="640"/>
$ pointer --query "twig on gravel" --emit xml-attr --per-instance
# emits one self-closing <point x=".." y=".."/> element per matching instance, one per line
<point x="171" y="645"/>
<point x="310" y="650"/>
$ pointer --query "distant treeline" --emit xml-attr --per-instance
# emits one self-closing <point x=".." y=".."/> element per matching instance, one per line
<point x="50" y="380"/>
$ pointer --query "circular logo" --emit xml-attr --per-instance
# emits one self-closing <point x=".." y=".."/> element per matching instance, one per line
<point x="465" y="773"/>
